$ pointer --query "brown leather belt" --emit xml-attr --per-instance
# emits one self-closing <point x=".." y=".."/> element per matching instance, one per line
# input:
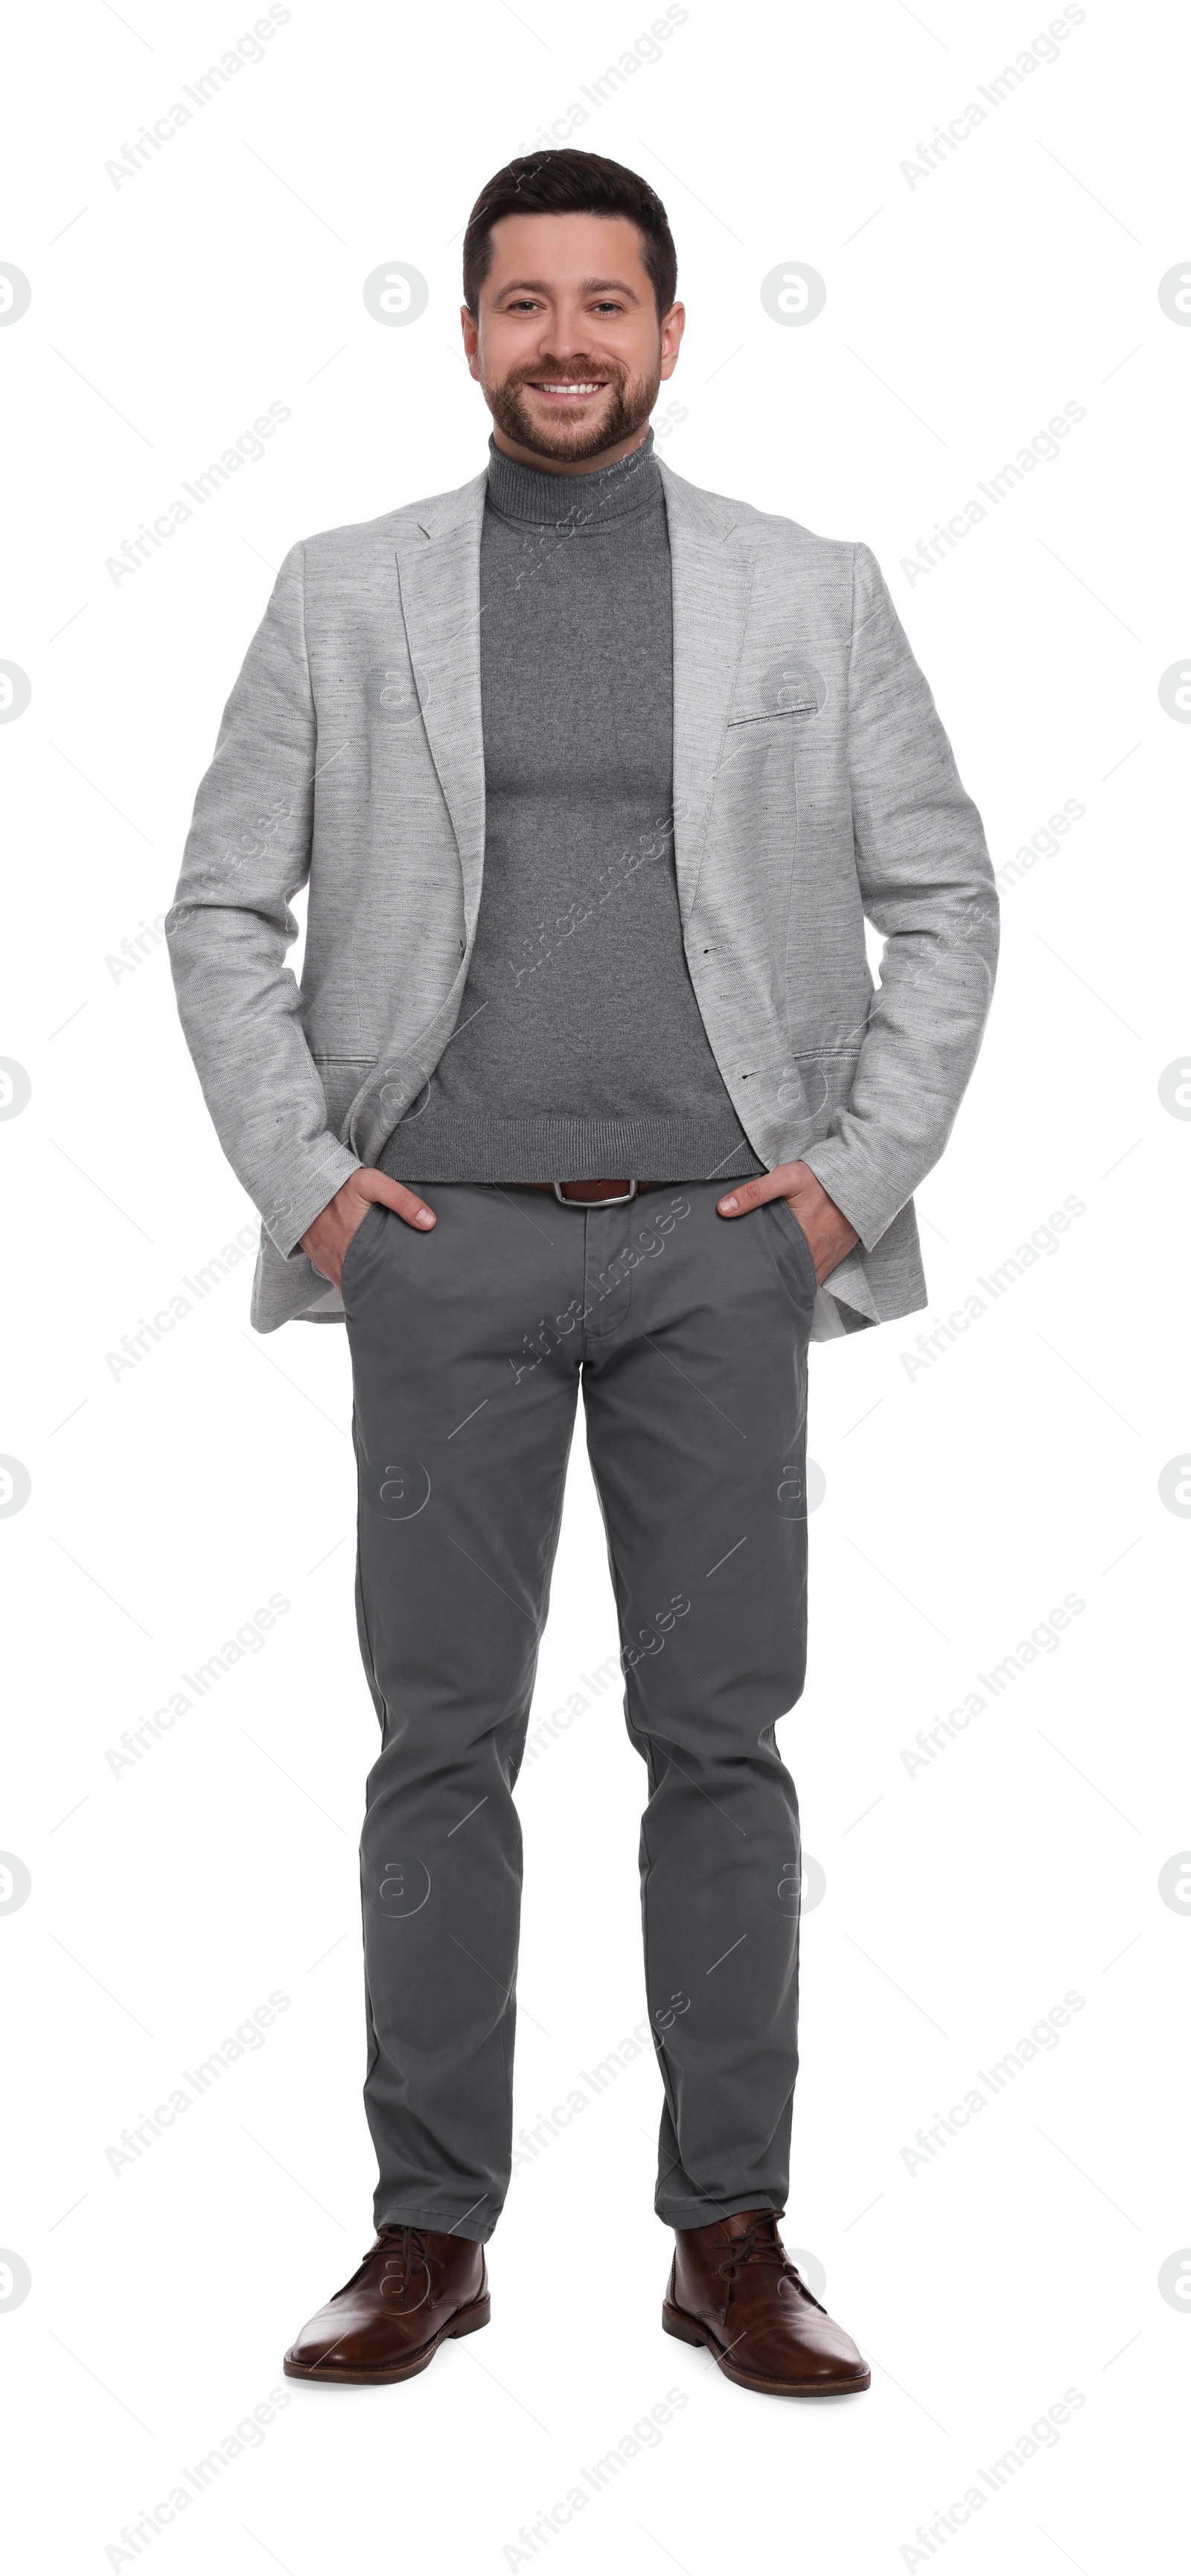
<point x="588" y="1193"/>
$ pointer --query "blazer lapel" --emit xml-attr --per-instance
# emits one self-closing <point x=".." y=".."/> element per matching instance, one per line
<point x="438" y="561"/>
<point x="712" y="579"/>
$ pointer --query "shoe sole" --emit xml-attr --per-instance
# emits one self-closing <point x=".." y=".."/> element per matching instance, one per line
<point x="468" y="2321"/>
<point x="675" y="2321"/>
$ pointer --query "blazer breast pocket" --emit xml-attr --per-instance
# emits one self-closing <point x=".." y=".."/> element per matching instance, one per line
<point x="772" y="715"/>
<point x="789" y="692"/>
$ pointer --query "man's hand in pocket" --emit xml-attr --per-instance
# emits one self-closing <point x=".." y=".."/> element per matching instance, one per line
<point x="325" y="1242"/>
<point x="829" y="1233"/>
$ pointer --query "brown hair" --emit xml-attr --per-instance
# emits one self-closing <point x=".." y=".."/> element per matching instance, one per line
<point x="570" y="183"/>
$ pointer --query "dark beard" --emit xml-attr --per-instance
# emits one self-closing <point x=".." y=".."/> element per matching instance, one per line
<point x="632" y="400"/>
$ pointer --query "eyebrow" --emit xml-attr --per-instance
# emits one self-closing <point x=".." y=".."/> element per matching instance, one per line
<point x="587" y="286"/>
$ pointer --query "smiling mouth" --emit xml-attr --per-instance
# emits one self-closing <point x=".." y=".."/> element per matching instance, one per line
<point x="580" y="391"/>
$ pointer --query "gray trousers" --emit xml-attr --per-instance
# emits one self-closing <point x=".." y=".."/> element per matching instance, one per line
<point x="689" y="1333"/>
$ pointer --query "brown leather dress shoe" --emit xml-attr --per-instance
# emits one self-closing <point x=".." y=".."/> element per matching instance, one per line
<point x="413" y="2288"/>
<point x="734" y="2288"/>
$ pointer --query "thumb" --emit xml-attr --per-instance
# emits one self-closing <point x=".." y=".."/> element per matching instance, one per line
<point x="393" y="1194"/>
<point x="744" y="1195"/>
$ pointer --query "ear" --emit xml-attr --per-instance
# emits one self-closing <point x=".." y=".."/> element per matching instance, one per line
<point x="471" y="339"/>
<point x="673" y="326"/>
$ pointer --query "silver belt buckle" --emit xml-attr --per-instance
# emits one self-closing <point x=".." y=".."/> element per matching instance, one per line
<point x="623" y="1199"/>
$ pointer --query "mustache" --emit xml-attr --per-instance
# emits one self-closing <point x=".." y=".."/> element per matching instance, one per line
<point x="580" y="370"/>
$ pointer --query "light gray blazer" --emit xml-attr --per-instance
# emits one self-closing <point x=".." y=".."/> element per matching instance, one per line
<point x="813" y="785"/>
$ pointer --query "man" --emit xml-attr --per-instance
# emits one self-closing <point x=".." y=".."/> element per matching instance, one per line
<point x="593" y="778"/>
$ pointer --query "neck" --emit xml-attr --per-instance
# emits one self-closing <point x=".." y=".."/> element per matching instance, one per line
<point x="540" y="464"/>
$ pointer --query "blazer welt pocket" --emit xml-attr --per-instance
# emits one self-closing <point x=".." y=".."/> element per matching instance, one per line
<point x="775" y="715"/>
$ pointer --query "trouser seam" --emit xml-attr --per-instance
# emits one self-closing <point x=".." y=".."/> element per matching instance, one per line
<point x="360" y="1582"/>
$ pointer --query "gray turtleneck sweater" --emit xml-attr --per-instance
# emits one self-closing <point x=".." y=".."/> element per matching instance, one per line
<point x="579" y="1052"/>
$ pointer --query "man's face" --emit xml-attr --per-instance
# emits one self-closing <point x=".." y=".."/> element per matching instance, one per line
<point x="567" y="345"/>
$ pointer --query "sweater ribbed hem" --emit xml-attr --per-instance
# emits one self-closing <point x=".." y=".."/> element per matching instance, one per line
<point x="568" y="1149"/>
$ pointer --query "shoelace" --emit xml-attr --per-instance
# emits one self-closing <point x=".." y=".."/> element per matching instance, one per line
<point x="410" y="2246"/>
<point x="759" y="2245"/>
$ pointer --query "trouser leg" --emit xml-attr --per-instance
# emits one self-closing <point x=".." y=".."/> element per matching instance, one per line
<point x="696" y="1421"/>
<point x="464" y="1347"/>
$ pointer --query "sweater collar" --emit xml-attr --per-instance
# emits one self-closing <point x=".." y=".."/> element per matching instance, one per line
<point x="579" y="502"/>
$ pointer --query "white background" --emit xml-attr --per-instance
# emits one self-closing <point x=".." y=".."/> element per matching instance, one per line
<point x="963" y="1501"/>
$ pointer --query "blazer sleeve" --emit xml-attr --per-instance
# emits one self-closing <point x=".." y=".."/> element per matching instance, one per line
<point x="926" y="882"/>
<point x="247" y="853"/>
